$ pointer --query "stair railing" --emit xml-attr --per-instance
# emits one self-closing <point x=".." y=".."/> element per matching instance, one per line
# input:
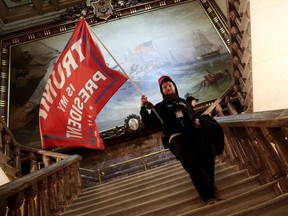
<point x="211" y="107"/>
<point x="226" y="99"/>
<point x="44" y="183"/>
<point x="217" y="102"/>
<point x="258" y="142"/>
<point x="101" y="172"/>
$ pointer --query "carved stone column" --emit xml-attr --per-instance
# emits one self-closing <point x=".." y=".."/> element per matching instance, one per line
<point x="73" y="182"/>
<point x="264" y="152"/>
<point x="279" y="150"/>
<point x="78" y="178"/>
<point x="17" y="161"/>
<point x="219" y="110"/>
<point x="67" y="186"/>
<point x="6" y="144"/>
<point x="46" y="160"/>
<point x="53" y="199"/>
<point x="285" y="133"/>
<point x="230" y="155"/>
<point x="33" y="162"/>
<point x="14" y="204"/>
<point x="242" y="148"/>
<point x="43" y="198"/>
<point x="29" y="203"/>
<point x="3" y="207"/>
<point x="60" y="191"/>
<point x="1" y="141"/>
<point x="230" y="106"/>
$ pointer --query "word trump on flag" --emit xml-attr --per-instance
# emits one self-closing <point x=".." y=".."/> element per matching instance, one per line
<point x="79" y="86"/>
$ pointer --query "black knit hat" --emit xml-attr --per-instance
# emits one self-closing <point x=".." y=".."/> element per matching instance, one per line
<point x="164" y="78"/>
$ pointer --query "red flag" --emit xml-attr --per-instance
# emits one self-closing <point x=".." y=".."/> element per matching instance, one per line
<point x="79" y="86"/>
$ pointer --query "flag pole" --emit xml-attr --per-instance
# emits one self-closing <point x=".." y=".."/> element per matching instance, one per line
<point x="133" y="83"/>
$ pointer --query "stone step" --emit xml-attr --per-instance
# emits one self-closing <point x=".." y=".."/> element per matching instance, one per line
<point x="118" y="172"/>
<point x="168" y="191"/>
<point x="179" y="175"/>
<point x="179" y="200"/>
<point x="111" y="185"/>
<point x="277" y="206"/>
<point x="163" y="168"/>
<point x="126" y="187"/>
<point x="237" y="203"/>
<point x="175" y="189"/>
<point x="176" y="208"/>
<point x="176" y="183"/>
<point x="148" y="177"/>
<point x="132" y="191"/>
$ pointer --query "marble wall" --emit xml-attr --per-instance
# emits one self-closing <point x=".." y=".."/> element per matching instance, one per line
<point x="269" y="54"/>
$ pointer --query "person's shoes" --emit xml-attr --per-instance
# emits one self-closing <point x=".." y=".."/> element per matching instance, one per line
<point x="210" y="201"/>
<point x="213" y="200"/>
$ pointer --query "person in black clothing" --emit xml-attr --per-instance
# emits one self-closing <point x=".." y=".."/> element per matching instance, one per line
<point x="187" y="139"/>
<point x="210" y="125"/>
<point x="192" y="101"/>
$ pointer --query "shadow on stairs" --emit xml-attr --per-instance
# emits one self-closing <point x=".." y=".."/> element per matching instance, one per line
<point x="167" y="190"/>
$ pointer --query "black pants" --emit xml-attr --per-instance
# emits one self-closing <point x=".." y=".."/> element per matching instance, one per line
<point x="198" y="159"/>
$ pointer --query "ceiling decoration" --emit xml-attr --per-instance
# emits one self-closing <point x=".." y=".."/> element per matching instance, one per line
<point x="18" y="15"/>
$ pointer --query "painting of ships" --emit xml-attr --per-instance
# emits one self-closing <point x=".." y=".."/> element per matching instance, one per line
<point x="206" y="49"/>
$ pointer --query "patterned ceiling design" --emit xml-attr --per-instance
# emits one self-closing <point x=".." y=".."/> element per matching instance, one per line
<point x="18" y="15"/>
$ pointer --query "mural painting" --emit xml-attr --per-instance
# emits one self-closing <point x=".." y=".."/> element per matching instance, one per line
<point x="178" y="41"/>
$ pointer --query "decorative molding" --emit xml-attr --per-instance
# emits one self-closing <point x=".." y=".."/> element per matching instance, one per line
<point x="239" y="23"/>
<point x="73" y="12"/>
<point x="28" y="23"/>
<point x="217" y="19"/>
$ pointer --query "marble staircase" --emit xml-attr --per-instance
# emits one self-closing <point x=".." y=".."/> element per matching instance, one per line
<point x="167" y="190"/>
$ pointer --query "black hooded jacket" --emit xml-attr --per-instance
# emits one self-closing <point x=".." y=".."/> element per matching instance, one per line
<point x="175" y="115"/>
<point x="167" y="110"/>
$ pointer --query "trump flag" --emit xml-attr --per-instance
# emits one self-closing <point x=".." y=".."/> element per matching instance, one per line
<point x="79" y="86"/>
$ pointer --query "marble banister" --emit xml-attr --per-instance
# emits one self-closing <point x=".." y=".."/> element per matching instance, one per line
<point x="258" y="142"/>
<point x="39" y="174"/>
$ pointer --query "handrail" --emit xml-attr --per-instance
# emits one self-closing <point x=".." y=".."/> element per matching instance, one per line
<point x="30" y="149"/>
<point x="27" y="181"/>
<point x="219" y="99"/>
<point x="275" y="118"/>
<point x="101" y="172"/>
<point x="34" y="189"/>
<point x="258" y="142"/>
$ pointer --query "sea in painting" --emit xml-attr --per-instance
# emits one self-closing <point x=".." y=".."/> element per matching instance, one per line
<point x="205" y="79"/>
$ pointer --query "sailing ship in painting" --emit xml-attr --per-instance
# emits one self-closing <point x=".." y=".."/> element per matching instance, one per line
<point x="206" y="49"/>
<point x="146" y="57"/>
